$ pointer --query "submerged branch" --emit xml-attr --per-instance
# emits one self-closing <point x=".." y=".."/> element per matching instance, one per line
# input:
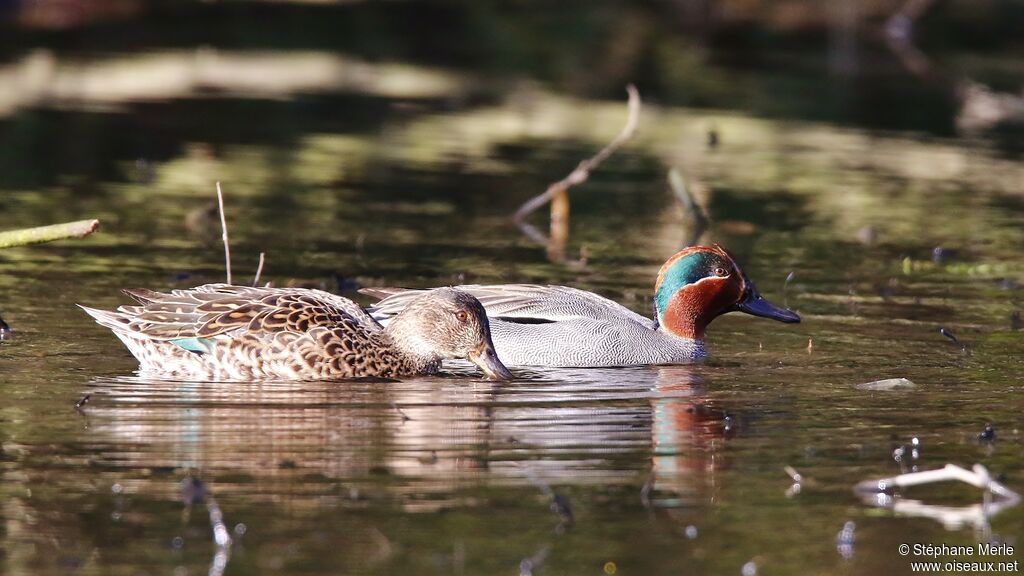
<point x="978" y="477"/>
<point x="693" y="209"/>
<point x="78" y="229"/>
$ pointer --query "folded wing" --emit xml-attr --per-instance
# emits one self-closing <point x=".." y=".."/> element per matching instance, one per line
<point x="520" y="303"/>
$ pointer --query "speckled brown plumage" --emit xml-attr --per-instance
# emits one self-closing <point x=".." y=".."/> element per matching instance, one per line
<point x="223" y="332"/>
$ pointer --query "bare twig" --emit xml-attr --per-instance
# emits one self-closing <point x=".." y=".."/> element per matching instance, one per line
<point x="224" y="228"/>
<point x="77" y="229"/>
<point x="877" y="493"/>
<point x="582" y="171"/>
<point x="979" y="478"/>
<point x="259" y="269"/>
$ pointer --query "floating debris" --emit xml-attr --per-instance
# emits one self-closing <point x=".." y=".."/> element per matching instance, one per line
<point x="193" y="491"/>
<point x="713" y="138"/>
<point x="867" y="235"/>
<point x="949" y="335"/>
<point x="83" y="401"/>
<point x="845" y="540"/>
<point x="528" y="565"/>
<point x="6" y="332"/>
<point x="887" y="385"/>
<point x="810" y="345"/>
<point x="796" y="476"/>
<point x="997" y="496"/>
<point x="798" y="482"/>
<point x="977" y="477"/>
<point x="988" y="434"/>
<point x="560" y="506"/>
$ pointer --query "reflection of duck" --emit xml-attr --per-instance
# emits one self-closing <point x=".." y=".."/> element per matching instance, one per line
<point x="224" y="332"/>
<point x="596" y="426"/>
<point x="320" y="451"/>
<point x="562" y="326"/>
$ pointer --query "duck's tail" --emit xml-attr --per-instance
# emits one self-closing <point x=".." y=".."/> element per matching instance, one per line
<point x="116" y="321"/>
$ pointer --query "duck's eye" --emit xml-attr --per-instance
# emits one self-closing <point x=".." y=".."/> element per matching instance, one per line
<point x="721" y="272"/>
<point x="462" y="316"/>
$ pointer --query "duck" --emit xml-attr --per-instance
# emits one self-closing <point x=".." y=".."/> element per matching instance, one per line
<point x="222" y="332"/>
<point x="561" y="326"/>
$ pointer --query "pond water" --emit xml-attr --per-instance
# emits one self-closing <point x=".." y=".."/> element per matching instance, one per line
<point x="348" y="171"/>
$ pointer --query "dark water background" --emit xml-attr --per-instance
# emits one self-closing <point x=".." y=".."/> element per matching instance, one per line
<point x="364" y="144"/>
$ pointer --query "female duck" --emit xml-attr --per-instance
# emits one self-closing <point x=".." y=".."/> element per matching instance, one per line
<point x="562" y="326"/>
<point x="223" y="332"/>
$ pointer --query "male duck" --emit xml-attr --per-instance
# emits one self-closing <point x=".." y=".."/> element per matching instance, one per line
<point x="223" y="332"/>
<point x="562" y="326"/>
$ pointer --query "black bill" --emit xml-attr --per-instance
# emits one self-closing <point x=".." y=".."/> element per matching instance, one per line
<point x="755" y="304"/>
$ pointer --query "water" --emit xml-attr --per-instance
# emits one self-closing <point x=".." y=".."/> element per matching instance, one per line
<point x="349" y="172"/>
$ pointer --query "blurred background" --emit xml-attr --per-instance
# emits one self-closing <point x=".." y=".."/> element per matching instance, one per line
<point x="861" y="158"/>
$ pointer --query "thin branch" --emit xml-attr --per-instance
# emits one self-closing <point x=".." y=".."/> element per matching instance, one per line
<point x="224" y="227"/>
<point x="259" y="269"/>
<point x="979" y="478"/>
<point x="582" y="171"/>
<point x="78" y="229"/>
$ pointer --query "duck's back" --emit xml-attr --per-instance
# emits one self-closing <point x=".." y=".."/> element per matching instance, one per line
<point x="225" y="332"/>
<point x="534" y="325"/>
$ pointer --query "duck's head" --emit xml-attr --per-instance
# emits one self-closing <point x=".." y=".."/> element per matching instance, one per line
<point x="448" y="323"/>
<point x="700" y="284"/>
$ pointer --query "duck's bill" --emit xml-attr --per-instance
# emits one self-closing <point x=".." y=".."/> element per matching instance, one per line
<point x="487" y="360"/>
<point x="755" y="304"/>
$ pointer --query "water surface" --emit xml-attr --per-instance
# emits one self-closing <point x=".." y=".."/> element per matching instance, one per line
<point x="351" y="172"/>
